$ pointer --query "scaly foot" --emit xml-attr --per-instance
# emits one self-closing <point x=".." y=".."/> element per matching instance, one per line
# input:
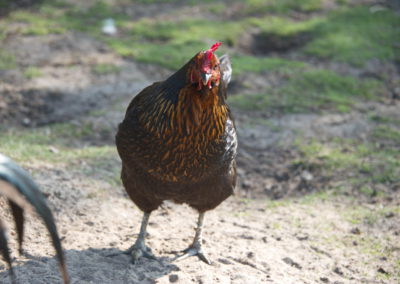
<point x="138" y="250"/>
<point x="194" y="249"/>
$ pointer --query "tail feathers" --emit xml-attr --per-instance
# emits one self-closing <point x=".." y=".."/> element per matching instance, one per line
<point x="5" y="251"/>
<point x="226" y="69"/>
<point x="18" y="214"/>
<point x="23" y="194"/>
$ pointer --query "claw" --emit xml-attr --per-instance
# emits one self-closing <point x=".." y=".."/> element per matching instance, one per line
<point x="192" y="251"/>
<point x="138" y="250"/>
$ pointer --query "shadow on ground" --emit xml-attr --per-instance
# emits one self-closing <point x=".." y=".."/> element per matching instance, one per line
<point x="85" y="266"/>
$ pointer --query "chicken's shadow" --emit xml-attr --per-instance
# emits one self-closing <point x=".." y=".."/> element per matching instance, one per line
<point x="90" y="266"/>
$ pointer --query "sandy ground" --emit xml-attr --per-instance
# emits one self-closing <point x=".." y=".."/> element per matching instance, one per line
<point x="249" y="241"/>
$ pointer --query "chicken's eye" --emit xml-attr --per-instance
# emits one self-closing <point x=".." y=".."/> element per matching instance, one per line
<point x="216" y="67"/>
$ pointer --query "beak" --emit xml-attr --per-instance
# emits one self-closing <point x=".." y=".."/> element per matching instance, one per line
<point x="205" y="77"/>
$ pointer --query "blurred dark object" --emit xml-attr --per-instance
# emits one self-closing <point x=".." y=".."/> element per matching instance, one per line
<point x="23" y="195"/>
<point x="6" y="6"/>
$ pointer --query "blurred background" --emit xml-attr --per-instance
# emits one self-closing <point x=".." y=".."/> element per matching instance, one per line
<point x="315" y="91"/>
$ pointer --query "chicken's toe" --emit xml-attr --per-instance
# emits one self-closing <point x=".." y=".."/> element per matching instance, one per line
<point x="194" y="249"/>
<point x="136" y="251"/>
<point x="140" y="250"/>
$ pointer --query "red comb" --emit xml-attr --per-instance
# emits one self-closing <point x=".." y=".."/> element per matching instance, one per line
<point x="213" y="48"/>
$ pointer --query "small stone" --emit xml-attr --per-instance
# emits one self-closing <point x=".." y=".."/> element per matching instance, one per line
<point x="355" y="231"/>
<point x="282" y="175"/>
<point x="307" y="176"/>
<point x="291" y="262"/>
<point x="302" y="237"/>
<point x="324" y="279"/>
<point x="54" y="150"/>
<point x="173" y="278"/>
<point x="224" y="261"/>
<point x="26" y="121"/>
<point x="247" y="184"/>
<point x="383" y="271"/>
<point x="389" y="214"/>
<point x="338" y="271"/>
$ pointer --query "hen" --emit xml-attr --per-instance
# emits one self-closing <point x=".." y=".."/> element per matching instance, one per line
<point x="23" y="194"/>
<point x="178" y="142"/>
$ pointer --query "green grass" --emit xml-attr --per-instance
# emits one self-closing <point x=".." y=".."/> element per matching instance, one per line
<point x="37" y="24"/>
<point x="7" y="60"/>
<point x="187" y="30"/>
<point x="384" y="119"/>
<point x="250" y="102"/>
<point x="281" y="7"/>
<point x="311" y="90"/>
<point x="363" y="215"/>
<point x="170" y="56"/>
<point x="61" y="145"/>
<point x="275" y="204"/>
<point x="246" y="63"/>
<point x="362" y="165"/>
<point x="316" y="89"/>
<point x="104" y="68"/>
<point x="330" y="156"/>
<point x="316" y="197"/>
<point x="35" y="145"/>
<point x="387" y="133"/>
<point x="284" y="26"/>
<point x="32" y="72"/>
<point x="254" y="121"/>
<point x="167" y="43"/>
<point x="350" y="34"/>
<point x="356" y="35"/>
<point x="171" y="44"/>
<point x="58" y="17"/>
<point x="91" y="20"/>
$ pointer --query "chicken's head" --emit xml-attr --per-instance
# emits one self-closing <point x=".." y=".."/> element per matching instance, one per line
<point x="206" y="71"/>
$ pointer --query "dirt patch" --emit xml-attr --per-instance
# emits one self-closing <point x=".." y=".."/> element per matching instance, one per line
<point x="264" y="43"/>
<point x="7" y="6"/>
<point x="67" y="87"/>
<point x="293" y="243"/>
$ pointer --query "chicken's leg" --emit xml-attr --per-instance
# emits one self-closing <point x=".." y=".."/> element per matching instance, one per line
<point x="195" y="248"/>
<point x="139" y="248"/>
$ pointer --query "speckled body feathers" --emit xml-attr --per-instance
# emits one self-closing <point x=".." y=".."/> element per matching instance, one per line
<point x="178" y="143"/>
